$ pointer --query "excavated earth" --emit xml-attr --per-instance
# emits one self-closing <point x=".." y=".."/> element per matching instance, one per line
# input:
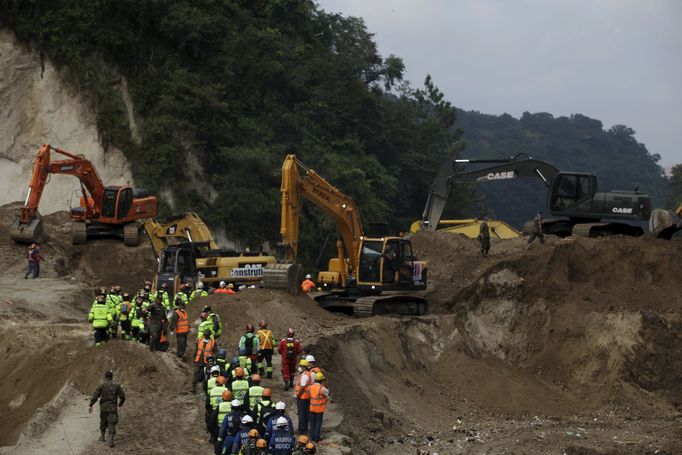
<point x="572" y="347"/>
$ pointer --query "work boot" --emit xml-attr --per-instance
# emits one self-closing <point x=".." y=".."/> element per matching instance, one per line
<point x="111" y="440"/>
<point x="286" y="385"/>
<point x="101" y="436"/>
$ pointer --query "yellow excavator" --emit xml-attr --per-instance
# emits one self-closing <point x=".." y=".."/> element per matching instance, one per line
<point x="186" y="252"/>
<point x="364" y="268"/>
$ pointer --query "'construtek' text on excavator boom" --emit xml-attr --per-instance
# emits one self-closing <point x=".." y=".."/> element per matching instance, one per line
<point x="103" y="211"/>
<point x="364" y="266"/>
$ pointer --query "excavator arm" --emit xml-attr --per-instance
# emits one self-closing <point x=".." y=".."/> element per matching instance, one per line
<point x="189" y="227"/>
<point x="300" y="182"/>
<point x="502" y="169"/>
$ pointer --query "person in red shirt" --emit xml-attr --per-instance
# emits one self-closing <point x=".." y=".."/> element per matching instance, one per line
<point x="289" y="348"/>
<point x="225" y="289"/>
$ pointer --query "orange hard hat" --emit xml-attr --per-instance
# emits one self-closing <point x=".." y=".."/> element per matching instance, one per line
<point x="256" y="378"/>
<point x="239" y="372"/>
<point x="253" y="433"/>
<point x="262" y="444"/>
<point x="227" y="395"/>
<point x="309" y="448"/>
<point x="303" y="440"/>
<point x="267" y="393"/>
<point x="221" y="380"/>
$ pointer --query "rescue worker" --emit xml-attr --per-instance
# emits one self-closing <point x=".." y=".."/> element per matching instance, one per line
<point x="301" y="442"/>
<point x="484" y="237"/>
<point x="311" y="366"/>
<point x="211" y="378"/>
<point x="214" y="395"/>
<point x="157" y="317"/>
<point x="536" y="230"/>
<point x="264" y="407"/>
<point x="179" y="323"/>
<point x="162" y="293"/>
<point x="183" y="293"/>
<point x="101" y="319"/>
<point x="205" y="348"/>
<point x="319" y="394"/>
<point x="198" y="292"/>
<point x="215" y="320"/>
<point x="240" y="386"/>
<point x="124" y="315"/>
<point x="282" y="442"/>
<point x="307" y="286"/>
<point x="205" y="324"/>
<point x="221" y="362"/>
<point x="249" y="345"/>
<point x="32" y="259"/>
<point x="243" y="434"/>
<point x="136" y="322"/>
<point x="289" y="348"/>
<point x="111" y="397"/>
<point x="255" y="392"/>
<point x="224" y="408"/>
<point x="302" y="395"/>
<point x="261" y="447"/>
<point x="114" y="300"/>
<point x="248" y="447"/>
<point x="224" y="288"/>
<point x="229" y="428"/>
<point x="280" y="411"/>
<point x="266" y="343"/>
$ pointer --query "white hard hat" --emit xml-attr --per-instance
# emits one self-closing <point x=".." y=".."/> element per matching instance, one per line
<point x="309" y="358"/>
<point x="308" y="276"/>
<point x="222" y="284"/>
<point x="282" y="422"/>
<point x="200" y="285"/>
<point x="236" y="403"/>
<point x="247" y="419"/>
<point x="280" y="406"/>
<point x="242" y="287"/>
<point x="214" y="369"/>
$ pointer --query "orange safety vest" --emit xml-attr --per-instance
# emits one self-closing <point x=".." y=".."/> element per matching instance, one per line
<point x="307" y="285"/>
<point x="265" y="336"/>
<point x="304" y="391"/>
<point x="204" y="349"/>
<point x="182" y="323"/>
<point x="318" y="400"/>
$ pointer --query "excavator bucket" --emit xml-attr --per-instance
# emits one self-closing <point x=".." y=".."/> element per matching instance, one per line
<point x="662" y="224"/>
<point x="283" y="276"/>
<point x="27" y="232"/>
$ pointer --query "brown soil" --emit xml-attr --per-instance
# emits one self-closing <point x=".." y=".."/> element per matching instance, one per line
<point x="571" y="347"/>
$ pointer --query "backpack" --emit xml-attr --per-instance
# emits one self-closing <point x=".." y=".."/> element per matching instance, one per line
<point x="125" y="308"/>
<point x="248" y="344"/>
<point x="291" y="350"/>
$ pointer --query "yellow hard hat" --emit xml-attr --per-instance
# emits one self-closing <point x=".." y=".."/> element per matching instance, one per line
<point x="303" y="363"/>
<point x="319" y="376"/>
<point x="230" y="286"/>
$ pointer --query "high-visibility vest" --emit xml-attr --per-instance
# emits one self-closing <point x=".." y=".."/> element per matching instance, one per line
<point x="224" y="408"/>
<point x="307" y="285"/>
<point x="182" y="323"/>
<point x="255" y="395"/>
<point x="211" y="383"/>
<point x="215" y="393"/>
<point x="318" y="400"/>
<point x="198" y="293"/>
<point x="303" y="392"/>
<point x="266" y="338"/>
<point x="204" y="350"/>
<point x="100" y="316"/>
<point x="239" y="389"/>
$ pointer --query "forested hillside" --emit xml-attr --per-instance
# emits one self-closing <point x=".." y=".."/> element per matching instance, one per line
<point x="222" y="90"/>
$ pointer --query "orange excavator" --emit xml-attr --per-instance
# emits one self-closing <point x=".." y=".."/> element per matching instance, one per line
<point x="104" y="211"/>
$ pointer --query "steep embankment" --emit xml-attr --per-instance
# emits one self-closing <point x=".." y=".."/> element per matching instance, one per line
<point x="38" y="106"/>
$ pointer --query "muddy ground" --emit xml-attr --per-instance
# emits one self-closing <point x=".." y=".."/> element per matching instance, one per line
<point x="571" y="347"/>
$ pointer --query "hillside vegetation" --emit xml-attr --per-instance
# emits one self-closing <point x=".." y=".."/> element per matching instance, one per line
<point x="234" y="85"/>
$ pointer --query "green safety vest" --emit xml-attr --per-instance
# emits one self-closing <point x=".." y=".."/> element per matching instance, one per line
<point x="216" y="393"/>
<point x="198" y="293"/>
<point x="207" y="324"/>
<point x="224" y="408"/>
<point x="211" y="383"/>
<point x="255" y="396"/>
<point x="100" y="316"/>
<point x="239" y="389"/>
<point x="136" y="317"/>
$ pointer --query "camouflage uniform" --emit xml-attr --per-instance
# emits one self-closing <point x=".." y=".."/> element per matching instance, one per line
<point x="108" y="394"/>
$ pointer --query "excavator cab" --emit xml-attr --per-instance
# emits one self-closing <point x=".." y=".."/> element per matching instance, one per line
<point x="388" y="264"/>
<point x="570" y="190"/>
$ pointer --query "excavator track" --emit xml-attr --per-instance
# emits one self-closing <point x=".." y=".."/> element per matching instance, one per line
<point x="587" y="229"/>
<point x="131" y="234"/>
<point x="358" y="305"/>
<point x="79" y="232"/>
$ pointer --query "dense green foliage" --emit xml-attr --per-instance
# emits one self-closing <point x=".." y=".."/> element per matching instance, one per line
<point x="240" y="83"/>
<point x="576" y="143"/>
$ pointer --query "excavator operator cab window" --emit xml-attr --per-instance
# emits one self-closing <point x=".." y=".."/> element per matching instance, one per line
<point x="109" y="202"/>
<point x="125" y="201"/>
<point x="391" y="260"/>
<point x="569" y="189"/>
<point x="370" y="261"/>
<point x="406" y="262"/>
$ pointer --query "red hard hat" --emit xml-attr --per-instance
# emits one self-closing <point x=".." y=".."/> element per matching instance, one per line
<point x="262" y="323"/>
<point x="249" y="327"/>
<point x="290" y="332"/>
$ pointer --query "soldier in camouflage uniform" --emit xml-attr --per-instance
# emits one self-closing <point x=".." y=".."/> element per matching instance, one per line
<point x="536" y="232"/>
<point x="111" y="397"/>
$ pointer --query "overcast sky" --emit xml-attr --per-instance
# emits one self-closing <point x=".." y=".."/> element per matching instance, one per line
<point x="619" y="61"/>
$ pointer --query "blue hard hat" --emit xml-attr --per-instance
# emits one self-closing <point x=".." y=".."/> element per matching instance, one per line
<point x="222" y="352"/>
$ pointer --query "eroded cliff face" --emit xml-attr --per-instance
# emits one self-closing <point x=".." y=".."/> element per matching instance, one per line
<point x="37" y="106"/>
